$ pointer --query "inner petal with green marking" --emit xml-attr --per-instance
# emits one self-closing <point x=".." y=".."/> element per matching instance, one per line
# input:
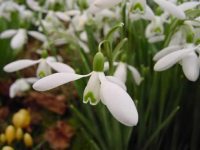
<point x="89" y="97"/>
<point x="138" y="8"/>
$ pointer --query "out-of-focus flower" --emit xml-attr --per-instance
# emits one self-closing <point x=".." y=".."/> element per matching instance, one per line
<point x="155" y="31"/>
<point x="7" y="148"/>
<point x="121" y="72"/>
<point x="139" y="9"/>
<point x="21" y="85"/>
<point x="109" y="90"/>
<point x="28" y="140"/>
<point x="19" y="133"/>
<point x="10" y="134"/>
<point x="187" y="57"/>
<point x="171" y="8"/>
<point x="19" y="37"/>
<point x="44" y="67"/>
<point x="21" y="119"/>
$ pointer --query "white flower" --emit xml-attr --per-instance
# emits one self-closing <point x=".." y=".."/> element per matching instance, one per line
<point x="21" y="85"/>
<point x="155" y="31"/>
<point x="187" y="57"/>
<point x="19" y="37"/>
<point x="109" y="90"/>
<point x="121" y="72"/>
<point x="44" y="67"/>
<point x="171" y="8"/>
<point x="98" y="5"/>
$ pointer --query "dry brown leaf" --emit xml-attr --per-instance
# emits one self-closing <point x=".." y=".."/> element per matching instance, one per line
<point x="59" y="136"/>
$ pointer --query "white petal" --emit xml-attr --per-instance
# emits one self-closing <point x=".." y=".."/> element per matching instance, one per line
<point x="31" y="80"/>
<point x="155" y="39"/>
<point x="20" y="64"/>
<point x="171" y="8"/>
<point x="37" y="35"/>
<point x="34" y="5"/>
<point x="19" y="39"/>
<point x="190" y="65"/>
<point x="55" y="80"/>
<point x="116" y="81"/>
<point x="188" y="5"/>
<point x="106" y="3"/>
<point x="91" y="92"/>
<point x="63" y="16"/>
<point x="60" y="67"/>
<point x="121" y="72"/>
<point x="43" y="69"/>
<point x="136" y="75"/>
<point x="149" y="14"/>
<point x="119" y="103"/>
<point x="8" y="34"/>
<point x="166" y="51"/>
<point x="171" y="59"/>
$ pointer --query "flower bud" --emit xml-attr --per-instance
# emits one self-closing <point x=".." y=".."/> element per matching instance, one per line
<point x="10" y="134"/>
<point x="19" y="134"/>
<point x="2" y="138"/>
<point x="7" y="148"/>
<point x="21" y="119"/>
<point x="28" y="141"/>
<point x="98" y="62"/>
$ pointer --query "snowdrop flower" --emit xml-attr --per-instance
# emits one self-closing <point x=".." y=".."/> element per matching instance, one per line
<point x="99" y="5"/>
<point x="171" y="8"/>
<point x="44" y="67"/>
<point x="109" y="90"/>
<point x="187" y="57"/>
<point x="21" y="85"/>
<point x="121" y="72"/>
<point x="19" y="37"/>
<point x="155" y="31"/>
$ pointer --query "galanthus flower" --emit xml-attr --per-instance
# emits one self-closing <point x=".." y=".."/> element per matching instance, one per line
<point x="139" y="9"/>
<point x="155" y="31"/>
<point x="171" y="8"/>
<point x="99" y="5"/>
<point x="121" y="72"/>
<point x="44" y="67"/>
<point x="107" y="89"/>
<point x="187" y="57"/>
<point x="19" y="37"/>
<point x="21" y="85"/>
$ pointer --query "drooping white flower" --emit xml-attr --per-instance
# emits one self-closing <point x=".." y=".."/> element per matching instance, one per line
<point x="187" y="57"/>
<point x="44" y="67"/>
<point x="19" y="37"/>
<point x="21" y="85"/>
<point x="171" y="8"/>
<point x="109" y="90"/>
<point x="155" y="31"/>
<point x="121" y="72"/>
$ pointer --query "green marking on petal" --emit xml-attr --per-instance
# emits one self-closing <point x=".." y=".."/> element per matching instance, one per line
<point x="89" y="97"/>
<point x="137" y="8"/>
<point x="42" y="74"/>
<point x="158" y="30"/>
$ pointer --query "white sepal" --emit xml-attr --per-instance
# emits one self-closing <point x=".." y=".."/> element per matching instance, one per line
<point x="188" y="5"/>
<point x="166" y="51"/>
<point x="8" y="34"/>
<point x="171" y="8"/>
<point x="135" y="74"/>
<point x="121" y="72"/>
<point x="116" y="81"/>
<point x="190" y="65"/>
<point x="55" y="80"/>
<point x="60" y="67"/>
<point x="171" y="59"/>
<point x="106" y="3"/>
<point x="19" y="39"/>
<point x="37" y="35"/>
<point x="19" y="64"/>
<point x="119" y="103"/>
